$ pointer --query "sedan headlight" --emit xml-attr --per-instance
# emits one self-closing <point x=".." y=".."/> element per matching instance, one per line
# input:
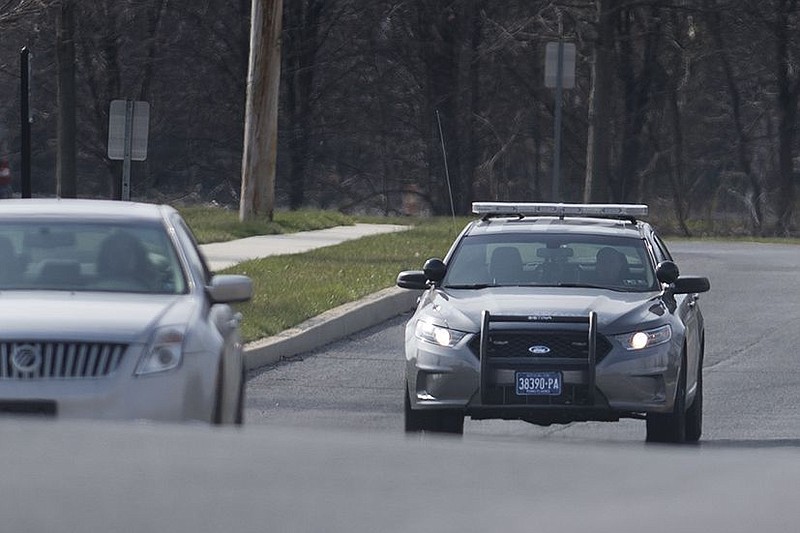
<point x="164" y="352"/>
<point x="639" y="340"/>
<point x="437" y="334"/>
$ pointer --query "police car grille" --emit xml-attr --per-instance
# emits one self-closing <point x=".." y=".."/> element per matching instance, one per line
<point x="58" y="360"/>
<point x="570" y="345"/>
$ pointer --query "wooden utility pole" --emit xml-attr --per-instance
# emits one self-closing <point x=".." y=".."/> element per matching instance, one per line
<point x="261" y="111"/>
<point x="66" y="180"/>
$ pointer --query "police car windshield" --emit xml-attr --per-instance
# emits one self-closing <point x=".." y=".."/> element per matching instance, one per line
<point x="569" y="260"/>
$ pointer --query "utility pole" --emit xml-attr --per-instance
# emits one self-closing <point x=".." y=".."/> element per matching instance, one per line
<point x="66" y="181"/>
<point x="261" y="111"/>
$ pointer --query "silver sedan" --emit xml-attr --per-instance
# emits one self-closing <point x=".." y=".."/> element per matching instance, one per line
<point x="109" y="311"/>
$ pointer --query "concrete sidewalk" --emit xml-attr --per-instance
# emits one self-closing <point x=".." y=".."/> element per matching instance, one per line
<point x="225" y="254"/>
<point x="331" y="325"/>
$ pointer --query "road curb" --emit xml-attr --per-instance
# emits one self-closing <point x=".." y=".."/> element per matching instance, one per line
<point x="330" y="326"/>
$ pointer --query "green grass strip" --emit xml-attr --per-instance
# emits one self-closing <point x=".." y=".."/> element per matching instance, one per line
<point x="214" y="224"/>
<point x="290" y="289"/>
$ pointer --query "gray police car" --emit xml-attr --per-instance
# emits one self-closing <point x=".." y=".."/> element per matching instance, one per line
<point x="556" y="313"/>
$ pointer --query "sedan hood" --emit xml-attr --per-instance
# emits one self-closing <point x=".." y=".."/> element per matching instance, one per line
<point x="616" y="312"/>
<point x="112" y="317"/>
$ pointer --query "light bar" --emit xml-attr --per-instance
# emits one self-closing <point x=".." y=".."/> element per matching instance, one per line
<point x="559" y="210"/>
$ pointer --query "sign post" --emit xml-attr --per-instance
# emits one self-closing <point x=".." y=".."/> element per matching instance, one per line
<point x="128" y="123"/>
<point x="559" y="73"/>
<point x="26" y="118"/>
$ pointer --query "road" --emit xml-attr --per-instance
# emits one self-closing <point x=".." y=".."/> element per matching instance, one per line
<point x="751" y="369"/>
<point x="323" y="448"/>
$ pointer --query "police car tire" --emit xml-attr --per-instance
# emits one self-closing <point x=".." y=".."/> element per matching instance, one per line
<point x="671" y="427"/>
<point x="432" y="420"/>
<point x="694" y="415"/>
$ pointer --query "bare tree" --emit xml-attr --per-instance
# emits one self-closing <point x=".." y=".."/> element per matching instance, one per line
<point x="598" y="144"/>
<point x="66" y="180"/>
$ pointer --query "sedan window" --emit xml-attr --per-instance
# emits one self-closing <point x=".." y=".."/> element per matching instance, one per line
<point x="59" y="255"/>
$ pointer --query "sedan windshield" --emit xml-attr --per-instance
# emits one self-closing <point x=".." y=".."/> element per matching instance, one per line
<point x="591" y="261"/>
<point x="60" y="255"/>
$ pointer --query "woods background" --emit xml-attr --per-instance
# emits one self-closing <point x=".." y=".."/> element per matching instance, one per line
<point x="689" y="106"/>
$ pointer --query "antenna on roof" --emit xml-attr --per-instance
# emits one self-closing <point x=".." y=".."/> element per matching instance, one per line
<point x="446" y="169"/>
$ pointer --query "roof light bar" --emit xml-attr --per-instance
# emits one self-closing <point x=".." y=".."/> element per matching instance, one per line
<point x="560" y="210"/>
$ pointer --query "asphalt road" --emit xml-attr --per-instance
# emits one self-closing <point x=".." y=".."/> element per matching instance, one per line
<point x="323" y="448"/>
<point x="751" y="369"/>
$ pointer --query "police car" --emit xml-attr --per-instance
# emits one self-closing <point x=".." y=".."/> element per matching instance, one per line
<point x="556" y="313"/>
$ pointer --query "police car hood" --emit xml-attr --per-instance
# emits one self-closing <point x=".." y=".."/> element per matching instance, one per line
<point x="617" y="312"/>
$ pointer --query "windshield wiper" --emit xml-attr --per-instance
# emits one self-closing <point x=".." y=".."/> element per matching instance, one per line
<point x="581" y="285"/>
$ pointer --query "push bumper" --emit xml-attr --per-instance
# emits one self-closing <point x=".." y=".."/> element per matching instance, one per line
<point x="621" y="385"/>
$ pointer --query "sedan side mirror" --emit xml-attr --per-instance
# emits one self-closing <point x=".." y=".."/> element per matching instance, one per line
<point x="230" y="288"/>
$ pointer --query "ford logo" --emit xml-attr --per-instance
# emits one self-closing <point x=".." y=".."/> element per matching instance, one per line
<point x="539" y="350"/>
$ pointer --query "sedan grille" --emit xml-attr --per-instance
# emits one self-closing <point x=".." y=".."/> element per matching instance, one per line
<point x="58" y="360"/>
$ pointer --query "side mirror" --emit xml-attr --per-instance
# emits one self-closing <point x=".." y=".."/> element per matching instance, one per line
<point x="412" y="279"/>
<point x="230" y="288"/>
<point x="667" y="272"/>
<point x="691" y="285"/>
<point x="434" y="269"/>
<point x="432" y="272"/>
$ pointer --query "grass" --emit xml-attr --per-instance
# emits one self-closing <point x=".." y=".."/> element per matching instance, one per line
<point x="292" y="288"/>
<point x="214" y="224"/>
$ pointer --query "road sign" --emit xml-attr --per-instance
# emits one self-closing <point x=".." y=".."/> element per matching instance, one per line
<point x="567" y="65"/>
<point x="128" y="122"/>
<point x="559" y="72"/>
<point x="135" y="122"/>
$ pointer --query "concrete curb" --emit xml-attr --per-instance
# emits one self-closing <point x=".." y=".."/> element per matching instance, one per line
<point x="330" y="326"/>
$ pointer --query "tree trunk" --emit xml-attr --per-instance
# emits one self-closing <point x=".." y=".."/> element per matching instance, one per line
<point x="742" y="140"/>
<point x="66" y="180"/>
<point x="302" y="40"/>
<point x="637" y="89"/>
<point x="449" y="55"/>
<point x="598" y="144"/>
<point x="261" y="111"/>
<point x="787" y="122"/>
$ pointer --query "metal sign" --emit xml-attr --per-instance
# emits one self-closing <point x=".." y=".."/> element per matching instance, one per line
<point x="551" y="65"/>
<point x="559" y="72"/>
<point x="131" y="119"/>
<point x="128" y="122"/>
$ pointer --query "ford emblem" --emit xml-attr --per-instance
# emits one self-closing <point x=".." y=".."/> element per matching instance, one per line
<point x="539" y="350"/>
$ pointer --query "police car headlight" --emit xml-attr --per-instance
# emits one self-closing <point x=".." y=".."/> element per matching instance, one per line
<point x="437" y="334"/>
<point x="639" y="340"/>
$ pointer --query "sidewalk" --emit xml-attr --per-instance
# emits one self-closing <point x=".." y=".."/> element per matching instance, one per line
<point x="329" y="326"/>
<point x="224" y="254"/>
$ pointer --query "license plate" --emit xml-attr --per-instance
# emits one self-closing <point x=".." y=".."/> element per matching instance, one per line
<point x="538" y="383"/>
